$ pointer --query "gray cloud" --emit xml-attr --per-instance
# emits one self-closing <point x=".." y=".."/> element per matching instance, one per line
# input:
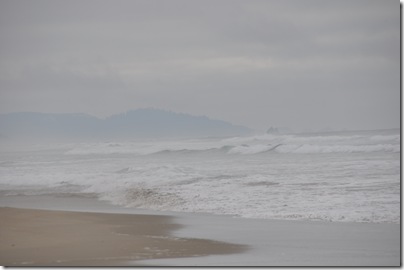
<point x="303" y="64"/>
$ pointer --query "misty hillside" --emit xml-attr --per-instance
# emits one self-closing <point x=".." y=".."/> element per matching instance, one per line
<point x="141" y="123"/>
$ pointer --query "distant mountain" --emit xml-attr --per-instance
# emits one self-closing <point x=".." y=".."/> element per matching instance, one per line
<point x="141" y="123"/>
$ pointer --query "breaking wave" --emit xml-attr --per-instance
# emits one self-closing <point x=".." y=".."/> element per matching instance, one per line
<point x="300" y="176"/>
<point x="310" y="149"/>
<point x="297" y="144"/>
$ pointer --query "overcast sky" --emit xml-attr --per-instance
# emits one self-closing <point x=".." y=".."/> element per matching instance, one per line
<point x="301" y="64"/>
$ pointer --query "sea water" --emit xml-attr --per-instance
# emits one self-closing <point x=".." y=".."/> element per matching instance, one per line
<point x="334" y="176"/>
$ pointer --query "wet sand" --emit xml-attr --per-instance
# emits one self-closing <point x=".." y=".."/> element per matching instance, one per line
<point x="62" y="238"/>
<point x="168" y="238"/>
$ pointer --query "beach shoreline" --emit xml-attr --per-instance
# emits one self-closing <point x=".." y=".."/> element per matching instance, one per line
<point x="242" y="241"/>
<point x="32" y="237"/>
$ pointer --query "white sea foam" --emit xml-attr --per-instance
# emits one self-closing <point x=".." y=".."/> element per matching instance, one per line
<point x="310" y="148"/>
<point x="336" y="177"/>
<point x="250" y="145"/>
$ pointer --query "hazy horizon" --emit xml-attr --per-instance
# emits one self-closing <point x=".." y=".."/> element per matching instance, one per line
<point x="263" y="129"/>
<point x="270" y="126"/>
<point x="306" y="65"/>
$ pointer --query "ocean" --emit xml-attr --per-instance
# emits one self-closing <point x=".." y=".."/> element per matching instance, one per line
<point x="350" y="176"/>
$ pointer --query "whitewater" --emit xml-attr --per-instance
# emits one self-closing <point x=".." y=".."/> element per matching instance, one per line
<point x="335" y="176"/>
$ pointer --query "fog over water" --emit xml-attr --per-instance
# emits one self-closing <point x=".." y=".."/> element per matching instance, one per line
<point x="164" y="105"/>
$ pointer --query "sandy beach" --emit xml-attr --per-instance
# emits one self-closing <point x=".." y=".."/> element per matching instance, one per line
<point x="85" y="232"/>
<point x="61" y="238"/>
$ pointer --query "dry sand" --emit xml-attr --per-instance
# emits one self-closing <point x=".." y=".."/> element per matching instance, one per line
<point x="62" y="238"/>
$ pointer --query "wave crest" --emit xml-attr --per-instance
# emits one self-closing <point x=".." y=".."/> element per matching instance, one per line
<point x="298" y="144"/>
